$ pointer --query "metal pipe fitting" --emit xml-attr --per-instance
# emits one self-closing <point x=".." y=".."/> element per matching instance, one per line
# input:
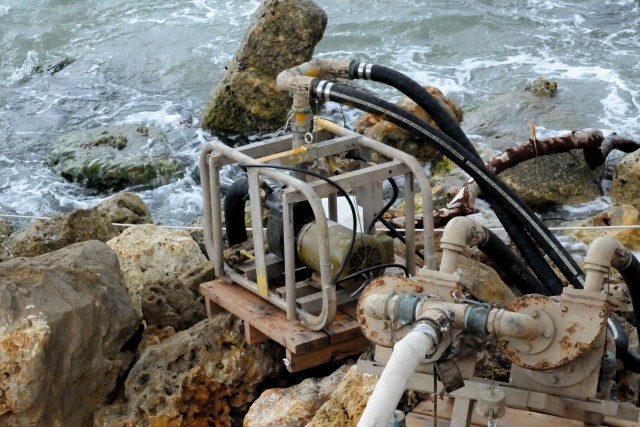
<point x="458" y="235"/>
<point x="518" y="326"/>
<point x="602" y="254"/>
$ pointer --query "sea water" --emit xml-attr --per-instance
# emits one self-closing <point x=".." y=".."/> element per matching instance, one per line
<point x="154" y="63"/>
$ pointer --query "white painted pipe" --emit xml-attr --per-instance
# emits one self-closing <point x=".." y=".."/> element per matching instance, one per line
<point x="407" y="355"/>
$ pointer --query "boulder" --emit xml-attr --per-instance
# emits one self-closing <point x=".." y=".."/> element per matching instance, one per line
<point x="613" y="215"/>
<point x="168" y="302"/>
<point x="115" y="157"/>
<point x="381" y="130"/>
<point x="149" y="254"/>
<point x="625" y="184"/>
<point x="283" y="34"/>
<point x="5" y="230"/>
<point x="125" y="208"/>
<point x="206" y="375"/>
<point x="294" y="406"/>
<point x="347" y="402"/>
<point x="64" y="318"/>
<point x="43" y="236"/>
<point x="555" y="180"/>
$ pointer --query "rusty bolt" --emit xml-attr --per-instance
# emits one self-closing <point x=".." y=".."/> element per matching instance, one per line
<point x="534" y="314"/>
<point x="547" y="333"/>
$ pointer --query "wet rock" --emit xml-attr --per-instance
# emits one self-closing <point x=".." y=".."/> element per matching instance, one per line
<point x="613" y="215"/>
<point x="125" y="208"/>
<point x="554" y="180"/>
<point x="347" y="402"/>
<point x="43" y="236"/>
<point x="5" y="230"/>
<point x="542" y="87"/>
<point x="169" y="302"/>
<point x="115" y="157"/>
<point x="381" y="130"/>
<point x="148" y="254"/>
<point x="64" y="318"/>
<point x="282" y="35"/>
<point x="294" y="406"/>
<point x="204" y="376"/>
<point x="625" y="184"/>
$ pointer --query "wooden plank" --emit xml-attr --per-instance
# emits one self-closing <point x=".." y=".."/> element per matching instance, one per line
<point x="512" y="416"/>
<point x="212" y="308"/>
<point x="253" y="335"/>
<point x="263" y="316"/>
<point x="313" y="303"/>
<point x="300" y="362"/>
<point x="343" y="328"/>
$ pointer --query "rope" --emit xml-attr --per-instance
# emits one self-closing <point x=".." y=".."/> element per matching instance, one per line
<point x="440" y="230"/>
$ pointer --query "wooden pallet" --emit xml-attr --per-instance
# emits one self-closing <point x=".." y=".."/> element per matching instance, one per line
<point x="262" y="321"/>
<point x="422" y="416"/>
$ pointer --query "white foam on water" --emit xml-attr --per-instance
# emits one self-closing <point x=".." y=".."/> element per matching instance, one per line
<point x="4" y="10"/>
<point x="161" y="117"/>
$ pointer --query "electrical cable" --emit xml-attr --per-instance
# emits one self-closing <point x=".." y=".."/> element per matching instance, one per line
<point x="373" y="268"/>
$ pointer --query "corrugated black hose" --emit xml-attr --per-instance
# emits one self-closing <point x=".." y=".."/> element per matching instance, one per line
<point x="469" y="163"/>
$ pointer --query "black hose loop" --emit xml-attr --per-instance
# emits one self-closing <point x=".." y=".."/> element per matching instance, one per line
<point x="234" y="203"/>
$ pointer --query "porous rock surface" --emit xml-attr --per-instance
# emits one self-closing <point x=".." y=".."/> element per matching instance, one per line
<point x="125" y="208"/>
<point x="64" y="318"/>
<point x="169" y="302"/>
<point x="283" y="34"/>
<point x="347" y="402"/>
<point x="43" y="236"/>
<point x="149" y="254"/>
<point x="204" y="376"/>
<point x="614" y="215"/>
<point x="625" y="183"/>
<point x="293" y="406"/>
<point x="381" y="130"/>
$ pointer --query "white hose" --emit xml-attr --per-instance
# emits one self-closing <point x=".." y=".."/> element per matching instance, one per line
<point x="407" y="355"/>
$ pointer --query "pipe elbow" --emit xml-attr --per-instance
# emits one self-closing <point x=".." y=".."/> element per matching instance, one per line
<point x="602" y="254"/>
<point x="460" y="233"/>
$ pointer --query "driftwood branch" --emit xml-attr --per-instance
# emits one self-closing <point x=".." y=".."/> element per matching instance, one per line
<point x="594" y="145"/>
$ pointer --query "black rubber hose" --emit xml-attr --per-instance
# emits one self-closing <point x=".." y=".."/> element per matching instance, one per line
<point x="473" y="166"/>
<point x="445" y="122"/>
<point x="234" y="202"/>
<point x="508" y="262"/>
<point x="630" y="359"/>
<point x="631" y="276"/>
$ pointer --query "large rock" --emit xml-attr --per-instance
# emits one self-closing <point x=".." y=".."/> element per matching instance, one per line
<point x="555" y="180"/>
<point x="376" y="128"/>
<point x="294" y="406"/>
<point x="347" y="402"/>
<point x="625" y="184"/>
<point x="64" y="318"/>
<point x="169" y="302"/>
<point x="149" y="254"/>
<point x="204" y="376"/>
<point x="43" y="236"/>
<point x="115" y="157"/>
<point x="282" y="35"/>
<point x="613" y="215"/>
<point x="5" y="230"/>
<point x="125" y="208"/>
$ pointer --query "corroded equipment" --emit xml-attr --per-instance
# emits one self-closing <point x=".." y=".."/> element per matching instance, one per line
<point x="559" y="346"/>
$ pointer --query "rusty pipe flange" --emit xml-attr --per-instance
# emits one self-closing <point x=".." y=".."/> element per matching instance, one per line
<point x="567" y="333"/>
<point x="383" y="331"/>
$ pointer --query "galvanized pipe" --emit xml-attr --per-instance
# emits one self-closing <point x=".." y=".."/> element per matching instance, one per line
<point x="212" y="220"/>
<point x="431" y="261"/>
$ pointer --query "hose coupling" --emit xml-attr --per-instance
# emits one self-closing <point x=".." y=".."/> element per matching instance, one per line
<point x="428" y="329"/>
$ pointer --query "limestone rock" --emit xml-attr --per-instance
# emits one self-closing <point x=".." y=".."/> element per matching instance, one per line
<point x="483" y="282"/>
<point x="554" y="180"/>
<point x="283" y="34"/>
<point x="381" y="130"/>
<point x="64" y="318"/>
<point x="125" y="208"/>
<point x="5" y="230"/>
<point x="204" y="376"/>
<point x="347" y="402"/>
<point x="169" y="302"/>
<point x="625" y="184"/>
<point x="42" y="236"/>
<point x="115" y="157"/>
<point x="542" y="87"/>
<point x="294" y="406"/>
<point x="614" y="215"/>
<point x="148" y="253"/>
